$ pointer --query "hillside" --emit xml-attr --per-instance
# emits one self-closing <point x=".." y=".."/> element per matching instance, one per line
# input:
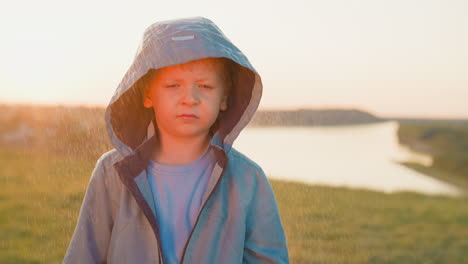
<point x="313" y="117"/>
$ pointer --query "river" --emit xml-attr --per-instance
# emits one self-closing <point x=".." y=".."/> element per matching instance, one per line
<point x="357" y="156"/>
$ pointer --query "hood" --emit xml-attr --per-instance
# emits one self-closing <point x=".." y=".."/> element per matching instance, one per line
<point x="129" y="124"/>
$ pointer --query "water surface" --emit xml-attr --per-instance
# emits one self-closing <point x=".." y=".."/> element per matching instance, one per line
<point x="361" y="156"/>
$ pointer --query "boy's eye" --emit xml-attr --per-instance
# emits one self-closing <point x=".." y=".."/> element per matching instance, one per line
<point x="201" y="85"/>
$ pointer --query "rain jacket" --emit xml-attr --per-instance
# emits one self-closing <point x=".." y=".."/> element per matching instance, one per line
<point x="238" y="221"/>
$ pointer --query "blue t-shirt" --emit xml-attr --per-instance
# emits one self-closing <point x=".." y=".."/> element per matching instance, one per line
<point x="177" y="193"/>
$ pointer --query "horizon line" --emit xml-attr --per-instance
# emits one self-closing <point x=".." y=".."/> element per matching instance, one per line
<point x="294" y="108"/>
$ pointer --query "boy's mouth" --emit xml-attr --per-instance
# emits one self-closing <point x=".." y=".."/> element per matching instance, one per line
<point x="188" y="116"/>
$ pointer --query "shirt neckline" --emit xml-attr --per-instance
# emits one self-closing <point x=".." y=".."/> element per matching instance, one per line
<point x="203" y="159"/>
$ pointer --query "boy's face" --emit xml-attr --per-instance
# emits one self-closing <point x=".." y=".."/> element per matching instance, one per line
<point x="193" y="88"/>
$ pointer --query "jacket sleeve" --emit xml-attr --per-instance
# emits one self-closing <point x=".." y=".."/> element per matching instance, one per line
<point x="90" y="239"/>
<point x="265" y="240"/>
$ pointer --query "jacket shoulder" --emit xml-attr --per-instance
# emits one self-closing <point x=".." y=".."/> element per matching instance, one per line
<point x="105" y="176"/>
<point x="109" y="158"/>
<point x="104" y="169"/>
<point x="241" y="160"/>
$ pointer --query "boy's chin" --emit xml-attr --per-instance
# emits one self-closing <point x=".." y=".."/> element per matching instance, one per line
<point x="193" y="133"/>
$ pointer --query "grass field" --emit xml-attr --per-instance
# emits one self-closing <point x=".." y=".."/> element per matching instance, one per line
<point x="41" y="194"/>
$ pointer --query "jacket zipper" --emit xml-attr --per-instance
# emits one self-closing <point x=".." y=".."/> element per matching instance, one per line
<point x="158" y="239"/>
<point x="198" y="217"/>
<point x="157" y="235"/>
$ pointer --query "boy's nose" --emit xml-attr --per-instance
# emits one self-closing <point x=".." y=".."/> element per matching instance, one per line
<point x="191" y="95"/>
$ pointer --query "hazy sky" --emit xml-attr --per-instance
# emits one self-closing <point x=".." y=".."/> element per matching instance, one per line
<point x="391" y="58"/>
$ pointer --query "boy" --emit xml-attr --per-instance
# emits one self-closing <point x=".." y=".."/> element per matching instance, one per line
<point x="174" y="190"/>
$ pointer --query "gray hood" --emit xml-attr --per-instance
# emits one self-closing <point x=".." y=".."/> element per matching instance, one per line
<point x="129" y="124"/>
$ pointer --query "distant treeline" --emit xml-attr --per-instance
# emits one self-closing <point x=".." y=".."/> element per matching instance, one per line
<point x="312" y="117"/>
<point x="77" y="130"/>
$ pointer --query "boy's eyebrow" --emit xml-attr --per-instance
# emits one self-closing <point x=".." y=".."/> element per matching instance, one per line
<point x="178" y="79"/>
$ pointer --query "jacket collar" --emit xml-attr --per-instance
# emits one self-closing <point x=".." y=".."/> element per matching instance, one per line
<point x="133" y="164"/>
<point x="132" y="172"/>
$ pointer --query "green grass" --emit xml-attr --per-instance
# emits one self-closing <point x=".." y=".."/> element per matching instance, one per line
<point x="39" y="203"/>
<point x="41" y="195"/>
<point x="340" y="225"/>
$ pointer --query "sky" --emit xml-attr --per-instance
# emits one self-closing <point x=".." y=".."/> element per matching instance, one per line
<point x="390" y="58"/>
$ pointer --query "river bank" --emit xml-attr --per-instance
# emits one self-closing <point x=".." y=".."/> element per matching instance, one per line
<point x="445" y="141"/>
